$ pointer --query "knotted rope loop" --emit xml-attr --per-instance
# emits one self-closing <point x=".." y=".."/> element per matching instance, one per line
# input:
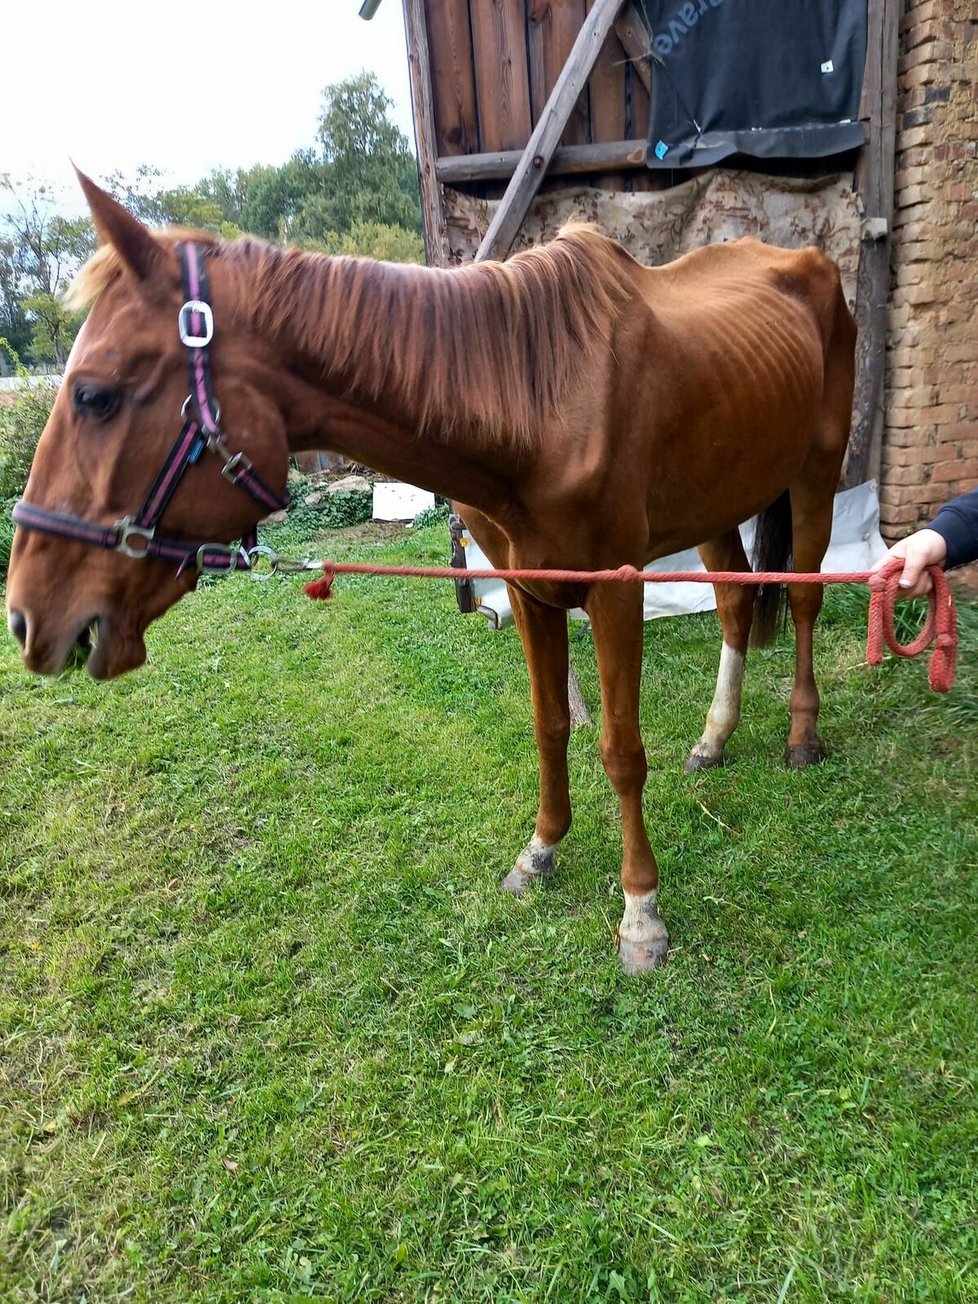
<point x="940" y="626"/>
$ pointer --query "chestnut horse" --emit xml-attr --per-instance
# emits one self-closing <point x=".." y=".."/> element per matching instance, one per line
<point x="583" y="411"/>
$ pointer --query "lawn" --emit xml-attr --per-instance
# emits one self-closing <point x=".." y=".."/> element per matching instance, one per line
<point x="269" y="1031"/>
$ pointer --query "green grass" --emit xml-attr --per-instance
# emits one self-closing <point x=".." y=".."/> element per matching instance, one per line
<point x="269" y="1032"/>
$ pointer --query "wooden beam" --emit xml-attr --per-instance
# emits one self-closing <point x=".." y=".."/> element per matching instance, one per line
<point x="419" y="64"/>
<point x="613" y="156"/>
<point x="637" y="43"/>
<point x="542" y="143"/>
<point x="874" y="184"/>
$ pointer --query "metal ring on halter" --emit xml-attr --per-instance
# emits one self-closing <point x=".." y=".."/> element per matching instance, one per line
<point x="255" y="556"/>
<point x="188" y="404"/>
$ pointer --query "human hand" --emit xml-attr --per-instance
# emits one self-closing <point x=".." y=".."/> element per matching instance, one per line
<point x="918" y="551"/>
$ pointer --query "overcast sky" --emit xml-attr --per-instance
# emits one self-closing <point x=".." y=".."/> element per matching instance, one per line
<point x="183" y="87"/>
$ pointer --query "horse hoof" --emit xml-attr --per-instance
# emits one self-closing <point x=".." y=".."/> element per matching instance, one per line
<point x="701" y="761"/>
<point x="799" y="758"/>
<point x="535" y="862"/>
<point x="641" y="957"/>
<point x="517" y="881"/>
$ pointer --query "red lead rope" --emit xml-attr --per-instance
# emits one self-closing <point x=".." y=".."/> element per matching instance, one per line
<point x="940" y="628"/>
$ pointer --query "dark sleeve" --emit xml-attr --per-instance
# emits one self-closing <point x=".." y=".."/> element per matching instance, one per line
<point x="957" y="523"/>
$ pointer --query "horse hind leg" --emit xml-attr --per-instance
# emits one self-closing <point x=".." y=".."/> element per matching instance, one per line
<point x="735" y="608"/>
<point x="812" y="500"/>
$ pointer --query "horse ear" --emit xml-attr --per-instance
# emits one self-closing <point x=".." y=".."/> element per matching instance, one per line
<point x="139" y="249"/>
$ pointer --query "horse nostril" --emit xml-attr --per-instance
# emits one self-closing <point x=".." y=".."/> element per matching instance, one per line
<point x="17" y="623"/>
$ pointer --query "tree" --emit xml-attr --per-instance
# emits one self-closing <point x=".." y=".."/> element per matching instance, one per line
<point x="190" y="206"/>
<point x="45" y="251"/>
<point x="373" y="174"/>
<point x="15" y="329"/>
<point x="362" y="173"/>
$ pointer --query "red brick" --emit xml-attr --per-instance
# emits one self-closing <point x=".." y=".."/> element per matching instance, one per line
<point x="906" y="436"/>
<point x="958" y="469"/>
<point x="958" y="393"/>
<point x="914" y="458"/>
<point x="896" y="516"/>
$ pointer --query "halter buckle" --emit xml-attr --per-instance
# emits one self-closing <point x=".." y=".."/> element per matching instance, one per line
<point x="229" y="551"/>
<point x="187" y="337"/>
<point x="128" y="529"/>
<point x="236" y="463"/>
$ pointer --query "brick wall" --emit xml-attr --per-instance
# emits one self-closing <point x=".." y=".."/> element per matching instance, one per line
<point x="930" y="448"/>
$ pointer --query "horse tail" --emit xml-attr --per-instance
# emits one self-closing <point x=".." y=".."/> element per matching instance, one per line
<point x="772" y="552"/>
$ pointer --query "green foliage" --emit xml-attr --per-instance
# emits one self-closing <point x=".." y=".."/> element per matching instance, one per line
<point x="6" y="534"/>
<point x="334" y="511"/>
<point x="15" y="329"/>
<point x="391" y="244"/>
<point x="21" y="424"/>
<point x="357" y="193"/>
<point x="373" y="174"/>
<point x="40" y="251"/>
<point x="437" y="515"/>
<point x="188" y="206"/>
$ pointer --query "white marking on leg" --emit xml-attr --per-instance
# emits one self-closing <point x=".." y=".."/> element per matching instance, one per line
<point x="534" y="862"/>
<point x="643" y="940"/>
<point x="724" y="713"/>
<point x="641" y="921"/>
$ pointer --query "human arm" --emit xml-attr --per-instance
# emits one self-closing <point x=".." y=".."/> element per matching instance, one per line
<point x="950" y="540"/>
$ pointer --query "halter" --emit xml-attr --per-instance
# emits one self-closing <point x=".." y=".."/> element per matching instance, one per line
<point x="135" y="536"/>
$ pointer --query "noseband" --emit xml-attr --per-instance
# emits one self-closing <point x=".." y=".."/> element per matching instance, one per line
<point x="135" y="536"/>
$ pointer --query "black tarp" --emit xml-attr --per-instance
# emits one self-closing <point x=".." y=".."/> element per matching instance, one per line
<point x="765" y="78"/>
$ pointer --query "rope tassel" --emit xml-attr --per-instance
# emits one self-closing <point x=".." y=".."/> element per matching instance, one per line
<point x="321" y="590"/>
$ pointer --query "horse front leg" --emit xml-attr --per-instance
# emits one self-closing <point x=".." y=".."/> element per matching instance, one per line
<point x="618" y="631"/>
<point x="543" y="631"/>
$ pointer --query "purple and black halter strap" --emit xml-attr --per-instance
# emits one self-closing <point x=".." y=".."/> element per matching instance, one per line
<point x="201" y="430"/>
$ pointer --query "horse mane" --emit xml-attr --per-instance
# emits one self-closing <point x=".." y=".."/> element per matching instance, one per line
<point x="493" y="345"/>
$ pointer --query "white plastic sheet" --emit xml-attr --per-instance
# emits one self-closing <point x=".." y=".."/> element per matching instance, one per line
<point x="855" y="545"/>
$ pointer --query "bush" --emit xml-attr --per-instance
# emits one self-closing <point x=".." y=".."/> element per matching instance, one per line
<point x="21" y="423"/>
<point x="432" y="515"/>
<point x="334" y="511"/>
<point x="6" y="536"/>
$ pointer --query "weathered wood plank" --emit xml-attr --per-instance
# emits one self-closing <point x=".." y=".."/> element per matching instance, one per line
<point x="874" y="183"/>
<point x="636" y="42"/>
<point x="616" y="155"/>
<point x="419" y="66"/>
<point x="540" y="148"/>
<point x="607" y="98"/>
<point x="501" y="73"/>
<point x="552" y="28"/>
<point x="453" y="78"/>
<point x="640" y="105"/>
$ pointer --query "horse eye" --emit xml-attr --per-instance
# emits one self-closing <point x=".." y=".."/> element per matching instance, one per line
<point x="95" y="401"/>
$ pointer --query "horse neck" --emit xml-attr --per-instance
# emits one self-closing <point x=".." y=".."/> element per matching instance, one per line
<point x="432" y="374"/>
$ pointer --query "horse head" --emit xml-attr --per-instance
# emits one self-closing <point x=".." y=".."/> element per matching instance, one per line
<point x="87" y="559"/>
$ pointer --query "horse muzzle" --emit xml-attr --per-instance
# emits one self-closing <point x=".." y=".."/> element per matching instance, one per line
<point x="86" y="643"/>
